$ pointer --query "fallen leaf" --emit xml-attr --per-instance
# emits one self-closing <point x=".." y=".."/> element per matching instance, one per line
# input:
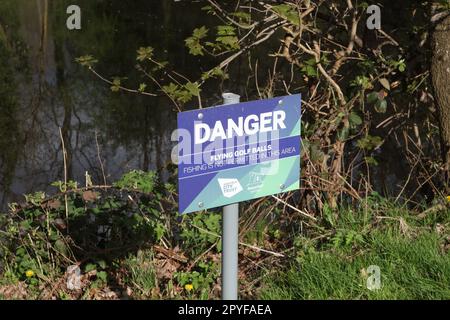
<point x="90" y="196"/>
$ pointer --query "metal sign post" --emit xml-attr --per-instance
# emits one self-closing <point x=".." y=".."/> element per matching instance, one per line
<point x="230" y="236"/>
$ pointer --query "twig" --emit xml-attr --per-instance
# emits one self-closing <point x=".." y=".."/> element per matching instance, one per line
<point x="294" y="208"/>
<point x="120" y="87"/>
<point x="99" y="158"/>
<point x="226" y="16"/>
<point x="65" y="178"/>
<point x="241" y="243"/>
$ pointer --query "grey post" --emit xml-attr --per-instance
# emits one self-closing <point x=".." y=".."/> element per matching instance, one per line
<point x="230" y="235"/>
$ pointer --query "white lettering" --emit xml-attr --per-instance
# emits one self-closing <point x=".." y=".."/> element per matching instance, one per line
<point x="251" y="125"/>
<point x="199" y="139"/>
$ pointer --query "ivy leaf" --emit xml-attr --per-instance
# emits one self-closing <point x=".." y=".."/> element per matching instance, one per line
<point x="311" y="71"/>
<point x="310" y="68"/>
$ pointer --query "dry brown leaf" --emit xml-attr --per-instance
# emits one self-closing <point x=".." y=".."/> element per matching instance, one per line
<point x="90" y="196"/>
<point x="166" y="268"/>
<point x="52" y="204"/>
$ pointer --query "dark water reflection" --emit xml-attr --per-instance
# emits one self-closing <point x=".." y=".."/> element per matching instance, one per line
<point x="43" y="89"/>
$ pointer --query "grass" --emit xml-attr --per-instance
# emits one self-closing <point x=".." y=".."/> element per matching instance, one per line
<point x="412" y="255"/>
<point x="141" y="274"/>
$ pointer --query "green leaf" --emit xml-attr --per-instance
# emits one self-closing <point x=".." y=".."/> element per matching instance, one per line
<point x="195" y="48"/>
<point x="102" y="275"/>
<point x="86" y="61"/>
<point x="193" y="88"/>
<point x="170" y="89"/>
<point x="369" y="142"/>
<point x="287" y="12"/>
<point x="200" y="33"/>
<point x="61" y="247"/>
<point x="381" y="106"/>
<point x="144" y="53"/>
<point x="372" y="97"/>
<point x="215" y="73"/>
<point x="89" y="267"/>
<point x="343" y="133"/>
<point x="310" y="68"/>
<point x="361" y="81"/>
<point x="371" y="161"/>
<point x="226" y="30"/>
<point x="226" y="36"/>
<point x="194" y="42"/>
<point x="354" y="119"/>
<point x="229" y="42"/>
<point x="311" y="71"/>
<point x="102" y="264"/>
<point x="138" y="180"/>
<point x="142" y="87"/>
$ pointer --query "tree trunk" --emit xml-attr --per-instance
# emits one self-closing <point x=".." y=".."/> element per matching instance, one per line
<point x="440" y="70"/>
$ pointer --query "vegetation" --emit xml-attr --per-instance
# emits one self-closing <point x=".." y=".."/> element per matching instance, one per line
<point x="412" y="254"/>
<point x="129" y="242"/>
<point x="375" y="151"/>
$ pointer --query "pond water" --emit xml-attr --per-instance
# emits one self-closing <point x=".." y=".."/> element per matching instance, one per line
<point x="44" y="89"/>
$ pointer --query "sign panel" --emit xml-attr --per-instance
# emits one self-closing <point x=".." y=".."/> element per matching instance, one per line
<point x="238" y="152"/>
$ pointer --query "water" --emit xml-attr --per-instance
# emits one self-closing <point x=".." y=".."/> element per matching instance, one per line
<point x="47" y="90"/>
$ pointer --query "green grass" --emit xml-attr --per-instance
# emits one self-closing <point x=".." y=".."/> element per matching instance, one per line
<point x="141" y="273"/>
<point x="413" y="263"/>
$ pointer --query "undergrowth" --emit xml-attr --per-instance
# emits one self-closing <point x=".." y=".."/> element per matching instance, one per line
<point x="127" y="241"/>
